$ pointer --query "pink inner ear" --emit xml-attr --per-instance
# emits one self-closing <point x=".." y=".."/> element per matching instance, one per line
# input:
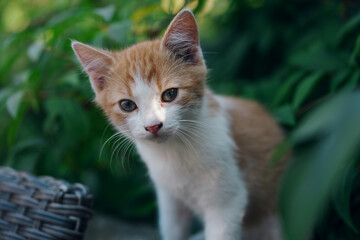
<point x="99" y="82"/>
<point x="98" y="69"/>
<point x="182" y="36"/>
<point x="96" y="63"/>
<point x="184" y="26"/>
<point x="97" y="74"/>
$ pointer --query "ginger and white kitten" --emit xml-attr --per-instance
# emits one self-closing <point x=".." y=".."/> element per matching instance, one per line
<point x="207" y="154"/>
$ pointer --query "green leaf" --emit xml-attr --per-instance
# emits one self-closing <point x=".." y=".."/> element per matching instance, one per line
<point x="13" y="128"/>
<point x="355" y="56"/>
<point x="200" y="6"/>
<point x="118" y="31"/>
<point x="32" y="144"/>
<point x="319" y="59"/>
<point x="4" y="93"/>
<point x="62" y="17"/>
<point x="316" y="124"/>
<point x="27" y="162"/>
<point x="34" y="50"/>
<point x="287" y="87"/>
<point x="285" y="115"/>
<point x="74" y="120"/>
<point x="71" y="78"/>
<point x="281" y="150"/>
<point x="310" y="181"/>
<point x="107" y="13"/>
<point x="143" y="209"/>
<point x="349" y="27"/>
<point x="304" y="89"/>
<point x="338" y="79"/>
<point x="353" y="81"/>
<point x="13" y="103"/>
<point x="342" y="195"/>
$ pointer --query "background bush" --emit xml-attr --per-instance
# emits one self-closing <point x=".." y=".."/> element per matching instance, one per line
<point x="300" y="58"/>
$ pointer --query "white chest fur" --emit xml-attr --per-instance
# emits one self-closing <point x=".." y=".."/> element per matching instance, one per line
<point x="201" y="169"/>
<point x="198" y="171"/>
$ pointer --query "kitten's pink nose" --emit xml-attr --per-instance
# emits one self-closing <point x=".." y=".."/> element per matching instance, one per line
<point x="154" y="129"/>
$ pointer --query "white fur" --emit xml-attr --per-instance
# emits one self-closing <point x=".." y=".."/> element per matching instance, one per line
<point x="204" y="178"/>
<point x="196" y="172"/>
<point x="150" y="111"/>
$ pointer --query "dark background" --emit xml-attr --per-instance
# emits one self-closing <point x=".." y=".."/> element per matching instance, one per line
<point x="299" y="58"/>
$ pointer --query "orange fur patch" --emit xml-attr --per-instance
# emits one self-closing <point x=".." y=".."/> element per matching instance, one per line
<point x="257" y="134"/>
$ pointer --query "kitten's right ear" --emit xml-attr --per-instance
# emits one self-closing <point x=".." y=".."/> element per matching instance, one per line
<point x="96" y="62"/>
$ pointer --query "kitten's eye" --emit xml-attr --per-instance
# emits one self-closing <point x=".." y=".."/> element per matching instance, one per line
<point x="169" y="95"/>
<point x="127" y="105"/>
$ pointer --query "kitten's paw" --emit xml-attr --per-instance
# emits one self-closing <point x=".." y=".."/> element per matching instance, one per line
<point x="198" y="236"/>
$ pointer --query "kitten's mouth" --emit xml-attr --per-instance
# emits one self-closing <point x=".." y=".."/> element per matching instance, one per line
<point x="162" y="137"/>
<point x="159" y="137"/>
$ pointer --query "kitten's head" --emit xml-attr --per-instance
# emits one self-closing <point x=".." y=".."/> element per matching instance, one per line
<point x="149" y="89"/>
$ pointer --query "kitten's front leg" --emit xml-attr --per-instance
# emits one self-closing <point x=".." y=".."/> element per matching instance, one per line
<point x="175" y="217"/>
<point x="223" y="221"/>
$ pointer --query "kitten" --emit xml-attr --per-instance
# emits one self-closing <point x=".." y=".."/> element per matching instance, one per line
<point x="206" y="154"/>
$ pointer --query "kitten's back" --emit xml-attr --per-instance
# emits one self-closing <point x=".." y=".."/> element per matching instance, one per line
<point x="256" y="135"/>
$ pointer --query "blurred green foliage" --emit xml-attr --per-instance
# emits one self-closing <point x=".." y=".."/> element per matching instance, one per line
<point x="300" y="58"/>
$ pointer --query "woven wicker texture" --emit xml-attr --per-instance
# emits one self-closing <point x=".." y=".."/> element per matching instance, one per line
<point x="42" y="208"/>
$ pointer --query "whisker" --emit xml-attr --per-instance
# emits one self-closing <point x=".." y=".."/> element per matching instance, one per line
<point x="109" y="139"/>
<point x="121" y="141"/>
<point x="192" y="135"/>
<point x="126" y="152"/>
<point x="187" y="142"/>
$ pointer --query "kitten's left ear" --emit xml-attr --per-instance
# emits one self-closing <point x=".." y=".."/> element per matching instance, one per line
<point x="96" y="62"/>
<point x="182" y="37"/>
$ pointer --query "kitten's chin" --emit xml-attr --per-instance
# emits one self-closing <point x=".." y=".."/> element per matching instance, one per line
<point x="160" y="138"/>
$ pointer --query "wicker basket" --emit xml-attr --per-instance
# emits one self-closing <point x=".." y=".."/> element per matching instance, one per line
<point x="42" y="208"/>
